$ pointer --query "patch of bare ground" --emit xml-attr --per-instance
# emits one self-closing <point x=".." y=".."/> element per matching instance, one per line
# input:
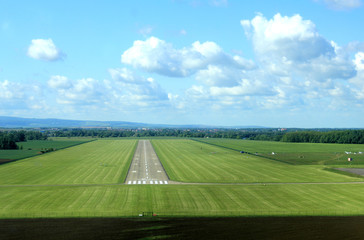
<point x="358" y="171"/>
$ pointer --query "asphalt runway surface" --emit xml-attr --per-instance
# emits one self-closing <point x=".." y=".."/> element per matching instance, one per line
<point x="145" y="167"/>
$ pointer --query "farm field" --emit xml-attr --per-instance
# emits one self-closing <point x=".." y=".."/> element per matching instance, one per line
<point x="95" y="162"/>
<point x="33" y="147"/>
<point x="192" y="161"/>
<point x="297" y="153"/>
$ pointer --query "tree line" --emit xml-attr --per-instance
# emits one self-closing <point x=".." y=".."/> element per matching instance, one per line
<point x="342" y="136"/>
<point x="256" y="134"/>
<point x="262" y="134"/>
<point x="8" y="139"/>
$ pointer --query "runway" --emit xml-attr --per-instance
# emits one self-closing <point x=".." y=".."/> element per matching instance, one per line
<point x="145" y="167"/>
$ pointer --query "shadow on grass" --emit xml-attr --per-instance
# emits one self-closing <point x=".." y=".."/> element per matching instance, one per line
<point x="185" y="228"/>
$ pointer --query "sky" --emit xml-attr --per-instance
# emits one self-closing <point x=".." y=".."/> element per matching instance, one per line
<point x="266" y="63"/>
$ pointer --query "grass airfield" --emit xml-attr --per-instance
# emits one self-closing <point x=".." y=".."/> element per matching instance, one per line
<point x="87" y="181"/>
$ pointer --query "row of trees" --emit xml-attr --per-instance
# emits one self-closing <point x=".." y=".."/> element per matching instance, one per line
<point x="256" y="134"/>
<point x="344" y="136"/>
<point x="263" y="134"/>
<point x="8" y="139"/>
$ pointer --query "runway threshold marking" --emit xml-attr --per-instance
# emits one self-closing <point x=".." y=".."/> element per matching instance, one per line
<point x="150" y="182"/>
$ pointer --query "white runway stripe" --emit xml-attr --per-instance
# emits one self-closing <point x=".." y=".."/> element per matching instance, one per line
<point x="146" y="182"/>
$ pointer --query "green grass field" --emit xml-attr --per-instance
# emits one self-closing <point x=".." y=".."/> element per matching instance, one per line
<point x="182" y="200"/>
<point x="86" y="181"/>
<point x="191" y="161"/>
<point x="105" y="161"/>
<point x="33" y="147"/>
<point x="296" y="153"/>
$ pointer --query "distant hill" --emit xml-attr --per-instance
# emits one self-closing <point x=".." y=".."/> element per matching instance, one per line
<point x="17" y="122"/>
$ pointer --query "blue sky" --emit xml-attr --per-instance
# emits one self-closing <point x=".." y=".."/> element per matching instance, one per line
<point x="276" y="63"/>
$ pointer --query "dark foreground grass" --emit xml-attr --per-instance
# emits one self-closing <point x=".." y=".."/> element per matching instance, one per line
<point x="185" y="228"/>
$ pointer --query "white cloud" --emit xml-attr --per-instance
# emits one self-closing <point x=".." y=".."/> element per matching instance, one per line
<point x="60" y="82"/>
<point x="286" y="45"/>
<point x="83" y="91"/>
<point x="44" y="49"/>
<point x="218" y="76"/>
<point x="156" y="55"/>
<point x="20" y="97"/>
<point x="359" y="61"/>
<point x="296" y="69"/>
<point x="245" y="88"/>
<point x="10" y="91"/>
<point x="127" y="84"/>
<point x="288" y="38"/>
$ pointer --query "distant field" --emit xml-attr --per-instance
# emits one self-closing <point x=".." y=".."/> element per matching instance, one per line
<point x="182" y="200"/>
<point x="93" y="162"/>
<point x="296" y="153"/>
<point x="33" y="147"/>
<point x="191" y="161"/>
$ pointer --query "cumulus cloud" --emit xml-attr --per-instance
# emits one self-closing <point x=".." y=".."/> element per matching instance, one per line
<point x="124" y="89"/>
<point x="59" y="82"/>
<point x="292" y="44"/>
<point x="9" y="90"/>
<point x="359" y="61"/>
<point x="127" y="86"/>
<point x="218" y="76"/>
<point x="288" y="38"/>
<point x="358" y="80"/>
<point x="44" y="49"/>
<point x="296" y="68"/>
<point x="82" y="91"/>
<point x="18" y="96"/>
<point x="158" y="56"/>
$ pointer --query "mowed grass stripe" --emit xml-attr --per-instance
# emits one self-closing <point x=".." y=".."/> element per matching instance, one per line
<point x="191" y="161"/>
<point x="95" y="162"/>
<point x="195" y="200"/>
<point x="295" y="153"/>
